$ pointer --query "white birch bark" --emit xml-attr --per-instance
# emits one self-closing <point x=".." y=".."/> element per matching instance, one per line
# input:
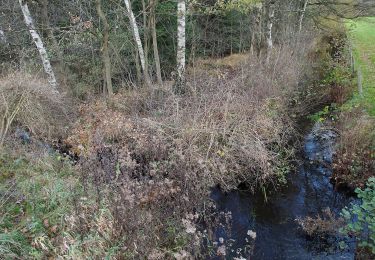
<point x="303" y="11"/>
<point x="39" y="44"/>
<point x="181" y="44"/>
<point x="271" y="14"/>
<point x="137" y="38"/>
<point x="3" y="39"/>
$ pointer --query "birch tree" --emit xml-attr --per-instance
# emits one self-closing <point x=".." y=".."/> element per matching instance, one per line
<point x="181" y="46"/>
<point x="3" y="39"/>
<point x="105" y="49"/>
<point x="302" y="15"/>
<point x="137" y="38"/>
<point x="39" y="44"/>
<point x="271" y="14"/>
<point x="258" y="30"/>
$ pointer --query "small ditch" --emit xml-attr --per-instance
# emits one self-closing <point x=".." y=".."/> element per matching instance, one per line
<point x="278" y="236"/>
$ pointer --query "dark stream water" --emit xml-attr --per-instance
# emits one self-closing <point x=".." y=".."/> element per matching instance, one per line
<point x="278" y="235"/>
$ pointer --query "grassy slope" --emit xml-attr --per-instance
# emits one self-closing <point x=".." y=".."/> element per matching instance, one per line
<point x="362" y="34"/>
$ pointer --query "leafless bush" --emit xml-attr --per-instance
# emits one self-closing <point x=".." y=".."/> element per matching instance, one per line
<point x="152" y="156"/>
<point x="321" y="225"/>
<point x="140" y="178"/>
<point x="353" y="161"/>
<point x="236" y="120"/>
<point x="29" y="102"/>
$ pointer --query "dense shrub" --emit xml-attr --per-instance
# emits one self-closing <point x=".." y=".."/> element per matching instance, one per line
<point x="148" y="156"/>
<point x="234" y="126"/>
<point x="29" y="102"/>
<point x="354" y="158"/>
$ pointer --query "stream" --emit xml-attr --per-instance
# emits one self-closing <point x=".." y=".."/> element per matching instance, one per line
<point x="278" y="235"/>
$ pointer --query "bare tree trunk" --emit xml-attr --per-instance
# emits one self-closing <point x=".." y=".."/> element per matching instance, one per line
<point x="181" y="46"/>
<point x="39" y="44"/>
<point x="240" y="48"/>
<point x="193" y="43"/>
<point x="360" y="80"/>
<point x="155" y="42"/>
<point x="259" y="33"/>
<point x="3" y="39"/>
<point x="105" y="49"/>
<point x="252" y="43"/>
<point x="137" y="38"/>
<point x="145" y="35"/>
<point x="138" y="67"/>
<point x="271" y="14"/>
<point x="302" y="15"/>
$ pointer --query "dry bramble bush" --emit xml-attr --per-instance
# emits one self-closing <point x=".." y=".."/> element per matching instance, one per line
<point x="354" y="159"/>
<point x="29" y="102"/>
<point x="152" y="157"/>
<point x="322" y="225"/>
<point x="134" y="172"/>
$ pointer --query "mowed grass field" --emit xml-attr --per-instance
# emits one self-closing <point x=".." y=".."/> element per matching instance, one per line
<point x="362" y="35"/>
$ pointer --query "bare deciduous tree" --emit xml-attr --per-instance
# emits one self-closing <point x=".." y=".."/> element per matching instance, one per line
<point x="39" y="44"/>
<point x="155" y="42"/>
<point x="3" y="39"/>
<point x="270" y="16"/>
<point x="302" y="14"/>
<point x="137" y="38"/>
<point x="145" y="34"/>
<point x="181" y="46"/>
<point x="105" y="49"/>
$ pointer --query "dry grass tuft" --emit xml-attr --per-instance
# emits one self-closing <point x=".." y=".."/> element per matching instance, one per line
<point x="29" y="102"/>
<point x="321" y="225"/>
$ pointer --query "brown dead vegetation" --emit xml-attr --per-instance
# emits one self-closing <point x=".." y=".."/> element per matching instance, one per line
<point x="354" y="158"/>
<point x="152" y="157"/>
<point x="325" y="224"/>
<point x="30" y="103"/>
<point x="148" y="158"/>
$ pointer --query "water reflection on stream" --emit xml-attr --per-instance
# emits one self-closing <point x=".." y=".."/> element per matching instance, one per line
<point x="308" y="193"/>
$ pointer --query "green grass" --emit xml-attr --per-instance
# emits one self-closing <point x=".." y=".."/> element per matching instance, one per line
<point x="362" y="35"/>
<point x="32" y="193"/>
<point x="40" y="197"/>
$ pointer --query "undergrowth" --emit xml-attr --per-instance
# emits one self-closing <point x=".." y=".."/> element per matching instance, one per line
<point x="28" y="102"/>
<point x="151" y="156"/>
<point x="148" y="160"/>
<point x="352" y="114"/>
